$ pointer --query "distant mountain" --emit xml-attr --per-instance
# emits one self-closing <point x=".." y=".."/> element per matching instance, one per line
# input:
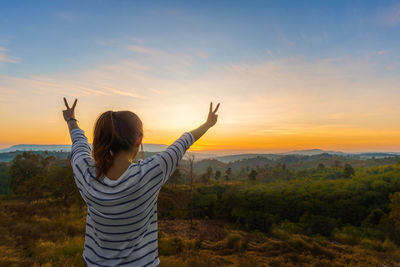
<point x="153" y="148"/>
<point x="243" y="163"/>
<point x="29" y="147"/>
<point x="310" y="152"/>
<point x="67" y="148"/>
<point x="229" y="158"/>
<point x="201" y="165"/>
<point x="313" y="152"/>
<point x="8" y="156"/>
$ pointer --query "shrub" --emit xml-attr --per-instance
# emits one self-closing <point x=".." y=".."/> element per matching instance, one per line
<point x="299" y="244"/>
<point x="170" y="246"/>
<point x="389" y="245"/>
<point x="236" y="241"/>
<point x="348" y="234"/>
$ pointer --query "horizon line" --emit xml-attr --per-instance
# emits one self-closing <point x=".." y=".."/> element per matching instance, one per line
<point x="233" y="151"/>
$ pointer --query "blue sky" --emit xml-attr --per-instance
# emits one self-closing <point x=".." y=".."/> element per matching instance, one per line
<point x="278" y="60"/>
<point x="59" y="35"/>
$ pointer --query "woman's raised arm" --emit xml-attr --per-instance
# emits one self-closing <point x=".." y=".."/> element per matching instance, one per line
<point x="211" y="121"/>
<point x="170" y="157"/>
<point x="80" y="149"/>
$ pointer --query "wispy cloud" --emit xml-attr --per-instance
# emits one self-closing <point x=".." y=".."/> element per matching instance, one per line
<point x="145" y="50"/>
<point x="7" y="59"/>
<point x="290" y="97"/>
<point x="67" y="16"/>
<point x="389" y="16"/>
<point x="321" y="38"/>
<point x="284" y="39"/>
<point x="124" y="93"/>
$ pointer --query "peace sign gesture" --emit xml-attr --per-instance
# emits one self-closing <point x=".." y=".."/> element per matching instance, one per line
<point x="212" y="117"/>
<point x="69" y="113"/>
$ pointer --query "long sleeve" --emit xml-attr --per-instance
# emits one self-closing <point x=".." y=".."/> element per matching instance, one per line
<point x="122" y="213"/>
<point x="80" y="148"/>
<point x="170" y="157"/>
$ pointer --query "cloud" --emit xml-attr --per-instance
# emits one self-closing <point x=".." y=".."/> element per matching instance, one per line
<point x="144" y="50"/>
<point x="284" y="39"/>
<point x="124" y="93"/>
<point x="321" y="38"/>
<point x="80" y="85"/>
<point x="67" y="16"/>
<point x="6" y="59"/>
<point x="389" y="16"/>
<point x="262" y="98"/>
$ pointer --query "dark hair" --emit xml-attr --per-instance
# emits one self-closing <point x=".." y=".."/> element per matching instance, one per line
<point x="114" y="132"/>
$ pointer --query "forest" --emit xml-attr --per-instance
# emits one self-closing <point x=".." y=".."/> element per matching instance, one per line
<point x="288" y="211"/>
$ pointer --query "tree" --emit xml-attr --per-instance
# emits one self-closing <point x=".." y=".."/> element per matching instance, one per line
<point x="209" y="172"/>
<point x="394" y="215"/>
<point x="374" y="217"/>
<point x="320" y="167"/>
<point x="23" y="168"/>
<point x="191" y="159"/>
<point x="4" y="178"/>
<point x="390" y="224"/>
<point x="175" y="177"/>
<point x="284" y="167"/>
<point x="252" y="175"/>
<point x="204" y="178"/>
<point x="348" y="171"/>
<point x="33" y="188"/>
<point x="336" y="163"/>
<point x="217" y="175"/>
<point x="228" y="172"/>
<point x="62" y="183"/>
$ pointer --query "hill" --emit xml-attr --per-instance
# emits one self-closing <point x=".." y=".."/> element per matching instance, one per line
<point x="311" y="152"/>
<point x="67" y="148"/>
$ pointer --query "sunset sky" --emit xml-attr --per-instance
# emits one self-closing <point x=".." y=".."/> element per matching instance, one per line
<point x="288" y="74"/>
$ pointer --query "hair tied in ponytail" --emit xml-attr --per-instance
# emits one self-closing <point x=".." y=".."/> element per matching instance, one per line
<point x="114" y="131"/>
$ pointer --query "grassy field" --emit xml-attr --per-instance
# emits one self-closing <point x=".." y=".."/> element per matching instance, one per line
<point x="47" y="233"/>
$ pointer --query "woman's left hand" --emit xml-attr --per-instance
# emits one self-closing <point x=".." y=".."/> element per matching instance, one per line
<point x="69" y="113"/>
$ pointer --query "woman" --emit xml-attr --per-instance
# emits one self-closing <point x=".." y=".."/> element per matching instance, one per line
<point x="121" y="196"/>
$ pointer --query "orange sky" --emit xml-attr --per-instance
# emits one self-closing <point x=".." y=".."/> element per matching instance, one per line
<point x="284" y="81"/>
<point x="268" y="106"/>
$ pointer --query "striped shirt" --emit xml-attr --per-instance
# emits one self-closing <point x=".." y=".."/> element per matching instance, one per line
<point x="121" y="221"/>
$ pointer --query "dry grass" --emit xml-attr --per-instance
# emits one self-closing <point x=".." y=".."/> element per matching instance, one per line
<point x="42" y="233"/>
<point x="46" y="234"/>
<point x="237" y="248"/>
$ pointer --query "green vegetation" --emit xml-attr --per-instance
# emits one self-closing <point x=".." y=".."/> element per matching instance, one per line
<point x="355" y="207"/>
<point x="4" y="179"/>
<point x="305" y="214"/>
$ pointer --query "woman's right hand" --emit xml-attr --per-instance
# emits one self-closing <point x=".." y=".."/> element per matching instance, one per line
<point x="212" y="116"/>
<point x="69" y="113"/>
